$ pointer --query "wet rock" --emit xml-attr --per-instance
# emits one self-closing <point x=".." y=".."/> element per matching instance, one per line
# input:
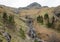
<point x="7" y="36"/>
<point x="32" y="33"/>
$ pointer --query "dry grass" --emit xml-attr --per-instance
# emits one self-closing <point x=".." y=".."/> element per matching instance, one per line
<point x="39" y="28"/>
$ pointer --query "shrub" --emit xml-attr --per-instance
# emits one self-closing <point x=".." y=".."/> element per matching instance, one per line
<point x="11" y="19"/>
<point x="49" y="24"/>
<point x="5" y="17"/>
<point x="40" y="19"/>
<point x="46" y="16"/>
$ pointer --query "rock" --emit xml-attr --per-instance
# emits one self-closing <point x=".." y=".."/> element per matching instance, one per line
<point x="7" y="36"/>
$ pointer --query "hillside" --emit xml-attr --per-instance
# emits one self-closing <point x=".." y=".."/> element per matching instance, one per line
<point x="20" y="21"/>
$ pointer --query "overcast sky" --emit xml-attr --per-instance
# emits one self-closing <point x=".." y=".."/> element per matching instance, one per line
<point x="23" y="3"/>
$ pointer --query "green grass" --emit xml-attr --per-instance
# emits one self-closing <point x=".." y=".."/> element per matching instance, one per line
<point x="22" y="33"/>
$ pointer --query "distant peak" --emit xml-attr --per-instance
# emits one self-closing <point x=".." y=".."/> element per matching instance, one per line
<point x="34" y="4"/>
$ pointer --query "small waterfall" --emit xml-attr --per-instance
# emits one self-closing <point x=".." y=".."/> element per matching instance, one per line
<point x="31" y="30"/>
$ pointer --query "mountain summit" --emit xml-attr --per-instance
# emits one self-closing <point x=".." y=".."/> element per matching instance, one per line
<point x="34" y="5"/>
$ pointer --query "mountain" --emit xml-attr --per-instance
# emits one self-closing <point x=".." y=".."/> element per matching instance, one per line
<point x="34" y="5"/>
<point x="24" y="15"/>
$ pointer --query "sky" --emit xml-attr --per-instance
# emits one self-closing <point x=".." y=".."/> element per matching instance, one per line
<point x="24" y="3"/>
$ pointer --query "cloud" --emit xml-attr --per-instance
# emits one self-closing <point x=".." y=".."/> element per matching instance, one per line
<point x="23" y="3"/>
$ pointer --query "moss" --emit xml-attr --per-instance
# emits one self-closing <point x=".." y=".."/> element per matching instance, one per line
<point x="35" y="40"/>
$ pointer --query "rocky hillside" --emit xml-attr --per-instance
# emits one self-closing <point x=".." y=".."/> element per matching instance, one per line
<point x="34" y="23"/>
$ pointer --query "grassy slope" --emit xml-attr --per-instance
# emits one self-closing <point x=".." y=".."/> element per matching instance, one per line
<point x="34" y="13"/>
<point x="40" y="28"/>
<point x="19" y="24"/>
